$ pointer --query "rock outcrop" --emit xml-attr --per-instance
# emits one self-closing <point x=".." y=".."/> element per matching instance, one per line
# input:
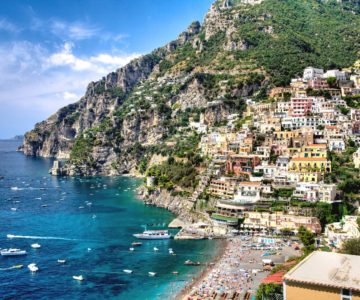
<point x="133" y="112"/>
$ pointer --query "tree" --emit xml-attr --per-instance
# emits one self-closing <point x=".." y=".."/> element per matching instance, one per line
<point x="269" y="291"/>
<point x="307" y="238"/>
<point x="351" y="246"/>
<point x="331" y="81"/>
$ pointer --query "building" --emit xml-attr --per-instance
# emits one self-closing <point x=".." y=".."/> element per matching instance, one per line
<point x="248" y="192"/>
<point x="240" y="164"/>
<point x="313" y="192"/>
<point x="310" y="164"/>
<point x="336" y="145"/>
<point x="301" y="106"/>
<point x="324" y="276"/>
<point x="311" y="73"/>
<point x="338" y="232"/>
<point x="223" y="188"/>
<point x="356" y="157"/>
<point x="278" y="220"/>
<point x="318" y="83"/>
<point x="313" y="150"/>
<point x="340" y="76"/>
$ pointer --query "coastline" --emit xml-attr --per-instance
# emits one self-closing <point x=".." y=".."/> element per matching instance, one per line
<point x="196" y="280"/>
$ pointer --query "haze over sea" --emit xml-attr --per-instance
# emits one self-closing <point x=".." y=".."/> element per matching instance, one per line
<point x="89" y="222"/>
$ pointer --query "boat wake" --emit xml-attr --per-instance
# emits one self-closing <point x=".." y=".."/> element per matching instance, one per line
<point x="12" y="236"/>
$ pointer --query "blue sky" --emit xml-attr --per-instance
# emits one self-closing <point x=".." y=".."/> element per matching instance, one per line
<point x="51" y="50"/>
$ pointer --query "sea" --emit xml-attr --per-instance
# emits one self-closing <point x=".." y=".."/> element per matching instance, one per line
<point x="89" y="222"/>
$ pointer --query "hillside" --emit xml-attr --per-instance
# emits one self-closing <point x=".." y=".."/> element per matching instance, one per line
<point x="240" y="51"/>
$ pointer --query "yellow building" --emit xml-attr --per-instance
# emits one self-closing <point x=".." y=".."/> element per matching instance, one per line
<point x="314" y="150"/>
<point x="284" y="135"/>
<point x="311" y="177"/>
<point x="310" y="164"/>
<point x="324" y="276"/>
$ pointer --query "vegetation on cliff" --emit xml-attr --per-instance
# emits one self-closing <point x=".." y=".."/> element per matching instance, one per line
<point x="238" y="52"/>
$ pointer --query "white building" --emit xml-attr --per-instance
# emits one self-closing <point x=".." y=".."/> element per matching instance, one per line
<point x="248" y="192"/>
<point x="311" y="73"/>
<point x="314" y="192"/>
<point x="339" y="75"/>
<point x="338" y="232"/>
<point x="356" y="158"/>
<point x="336" y="145"/>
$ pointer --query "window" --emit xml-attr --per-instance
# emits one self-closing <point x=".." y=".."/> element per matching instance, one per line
<point x="346" y="294"/>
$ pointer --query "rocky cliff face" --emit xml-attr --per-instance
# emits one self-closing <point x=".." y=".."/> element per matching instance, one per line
<point x="240" y="49"/>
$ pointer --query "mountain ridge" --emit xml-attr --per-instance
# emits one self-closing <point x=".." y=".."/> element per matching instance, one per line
<point x="238" y="52"/>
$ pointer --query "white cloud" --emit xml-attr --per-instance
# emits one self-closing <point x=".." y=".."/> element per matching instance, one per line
<point x="35" y="82"/>
<point x="8" y="26"/>
<point x="66" y="58"/>
<point x="68" y="96"/>
<point x="113" y="60"/>
<point x="73" y="31"/>
<point x="100" y="64"/>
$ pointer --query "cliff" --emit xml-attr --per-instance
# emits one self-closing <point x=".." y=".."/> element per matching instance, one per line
<point x="242" y="48"/>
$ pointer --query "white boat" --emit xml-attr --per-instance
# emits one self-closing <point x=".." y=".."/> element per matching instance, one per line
<point x="33" y="267"/>
<point x="156" y="249"/>
<point x="171" y="251"/>
<point x="153" y="235"/>
<point x="61" y="261"/>
<point x="14" y="209"/>
<point x="131" y="249"/>
<point x="36" y="246"/>
<point x="127" y="271"/>
<point x="152" y="274"/>
<point x="12" y="252"/>
<point x="79" y="278"/>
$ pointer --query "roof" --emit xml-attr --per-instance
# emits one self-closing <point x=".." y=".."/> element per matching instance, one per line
<point x="229" y="206"/>
<point x="328" y="269"/>
<point x="276" y="278"/>
<point x="317" y="145"/>
<point x="249" y="183"/>
<point x="309" y="159"/>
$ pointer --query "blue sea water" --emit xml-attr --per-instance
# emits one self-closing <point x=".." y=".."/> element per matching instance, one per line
<point x="89" y="222"/>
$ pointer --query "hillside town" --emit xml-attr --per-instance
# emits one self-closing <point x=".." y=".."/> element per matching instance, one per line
<point x="288" y="164"/>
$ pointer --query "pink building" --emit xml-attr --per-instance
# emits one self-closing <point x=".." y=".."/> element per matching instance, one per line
<point x="301" y="106"/>
<point x="318" y="84"/>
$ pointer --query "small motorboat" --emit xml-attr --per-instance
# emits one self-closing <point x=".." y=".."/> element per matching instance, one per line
<point x="131" y="249"/>
<point x="171" y="251"/>
<point x="136" y="244"/>
<point x="17" y="267"/>
<point x="191" y="263"/>
<point x="13" y="209"/>
<point x="12" y="252"/>
<point x="175" y="273"/>
<point x="36" y="246"/>
<point x="44" y="205"/>
<point x="152" y="274"/>
<point x="61" y="261"/>
<point x="156" y="249"/>
<point x="78" y="278"/>
<point x="127" y="271"/>
<point x="33" y="267"/>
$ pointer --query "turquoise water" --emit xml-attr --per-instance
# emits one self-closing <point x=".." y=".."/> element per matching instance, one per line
<point x="89" y="222"/>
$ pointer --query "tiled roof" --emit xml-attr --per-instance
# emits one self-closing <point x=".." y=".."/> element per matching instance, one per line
<point x="276" y="278"/>
<point x="249" y="183"/>
<point x="309" y="159"/>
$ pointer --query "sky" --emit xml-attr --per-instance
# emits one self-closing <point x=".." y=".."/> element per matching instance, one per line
<point x="51" y="50"/>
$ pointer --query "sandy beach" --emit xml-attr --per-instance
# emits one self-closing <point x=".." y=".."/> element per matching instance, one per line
<point x="236" y="272"/>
